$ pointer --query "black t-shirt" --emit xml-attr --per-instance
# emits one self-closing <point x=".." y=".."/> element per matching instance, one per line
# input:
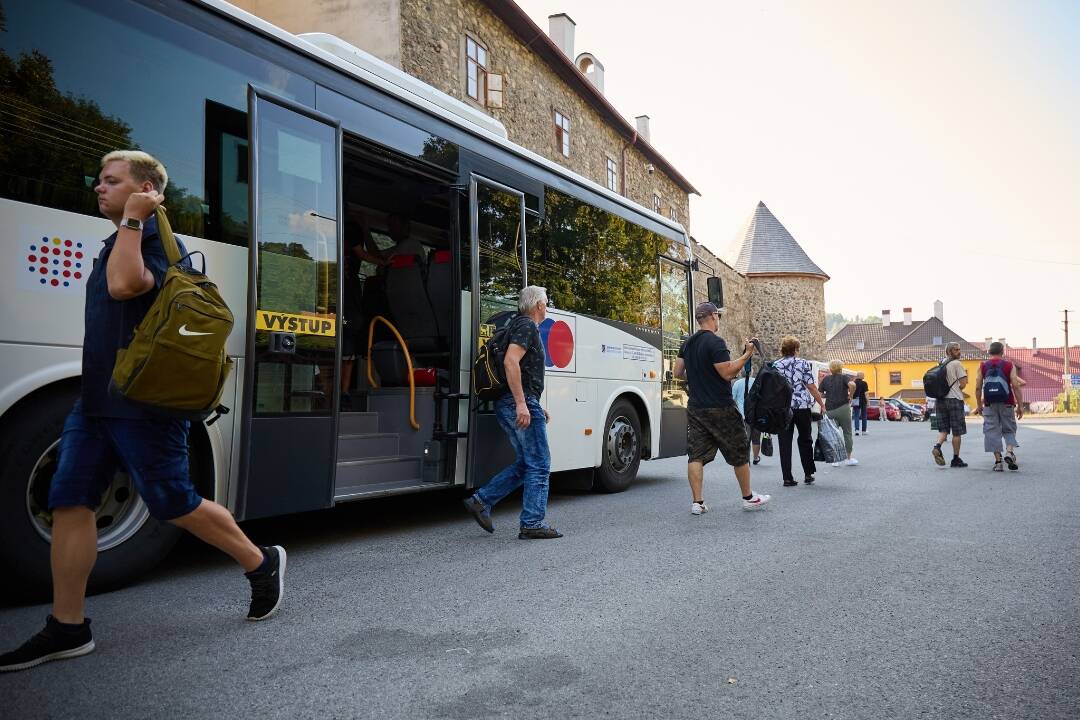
<point x="707" y="389"/>
<point x="860" y="391"/>
<point x="110" y="324"/>
<point x="523" y="332"/>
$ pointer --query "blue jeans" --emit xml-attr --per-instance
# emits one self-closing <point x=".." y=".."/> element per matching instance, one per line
<point x="532" y="467"/>
<point x="858" y="414"/>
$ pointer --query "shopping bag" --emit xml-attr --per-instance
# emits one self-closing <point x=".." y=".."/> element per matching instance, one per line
<point x="766" y="445"/>
<point x="832" y="440"/>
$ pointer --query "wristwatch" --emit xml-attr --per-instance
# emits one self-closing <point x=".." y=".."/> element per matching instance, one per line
<point x="132" y="224"/>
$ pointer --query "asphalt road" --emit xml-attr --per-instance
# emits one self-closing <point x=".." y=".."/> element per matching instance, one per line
<point x="890" y="590"/>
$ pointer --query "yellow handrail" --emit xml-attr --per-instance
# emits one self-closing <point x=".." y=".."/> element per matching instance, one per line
<point x="408" y="364"/>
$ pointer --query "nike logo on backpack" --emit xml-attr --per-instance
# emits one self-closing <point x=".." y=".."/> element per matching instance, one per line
<point x="184" y="331"/>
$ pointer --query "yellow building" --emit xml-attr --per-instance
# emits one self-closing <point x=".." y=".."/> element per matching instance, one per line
<point x="894" y="356"/>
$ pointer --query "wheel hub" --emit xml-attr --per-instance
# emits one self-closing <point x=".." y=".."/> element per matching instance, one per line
<point x="119" y="516"/>
<point x="622" y="444"/>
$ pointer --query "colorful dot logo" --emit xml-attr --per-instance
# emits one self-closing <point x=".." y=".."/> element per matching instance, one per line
<point x="58" y="262"/>
<point x="558" y="341"/>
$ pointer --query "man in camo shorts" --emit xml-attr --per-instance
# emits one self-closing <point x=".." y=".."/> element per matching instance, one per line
<point x="713" y="421"/>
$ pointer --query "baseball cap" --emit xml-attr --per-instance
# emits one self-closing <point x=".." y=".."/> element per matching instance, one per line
<point x="705" y="309"/>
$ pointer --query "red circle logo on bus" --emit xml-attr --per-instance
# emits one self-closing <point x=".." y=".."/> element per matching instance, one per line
<point x="558" y="341"/>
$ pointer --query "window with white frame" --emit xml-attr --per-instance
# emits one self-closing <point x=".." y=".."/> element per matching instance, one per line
<point x="562" y="133"/>
<point x="656" y="203"/>
<point x="476" y="70"/>
<point x="612" y="175"/>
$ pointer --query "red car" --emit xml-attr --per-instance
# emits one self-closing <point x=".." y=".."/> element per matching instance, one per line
<point x="873" y="411"/>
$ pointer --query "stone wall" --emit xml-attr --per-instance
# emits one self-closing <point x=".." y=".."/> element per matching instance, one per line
<point x="789" y="305"/>
<point x="737" y="321"/>
<point x="433" y="49"/>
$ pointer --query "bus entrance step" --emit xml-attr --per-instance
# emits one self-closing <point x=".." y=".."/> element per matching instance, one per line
<point x="354" y="474"/>
<point x="367" y="445"/>
<point x="356" y="423"/>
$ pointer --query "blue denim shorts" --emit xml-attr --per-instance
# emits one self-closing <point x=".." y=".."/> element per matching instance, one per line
<point x="153" y="451"/>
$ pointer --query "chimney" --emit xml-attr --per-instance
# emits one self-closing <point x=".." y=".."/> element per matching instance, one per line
<point x="642" y="123"/>
<point x="939" y="310"/>
<point x="988" y="341"/>
<point x="1003" y="343"/>
<point x="592" y="69"/>
<point x="907" y="316"/>
<point x="1034" y="346"/>
<point x="561" y="30"/>
<point x="885" y="317"/>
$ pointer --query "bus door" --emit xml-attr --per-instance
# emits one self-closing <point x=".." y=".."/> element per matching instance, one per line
<point x="291" y="372"/>
<point x="497" y="223"/>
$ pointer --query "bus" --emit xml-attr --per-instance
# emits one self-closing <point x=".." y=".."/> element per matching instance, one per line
<point x="283" y="150"/>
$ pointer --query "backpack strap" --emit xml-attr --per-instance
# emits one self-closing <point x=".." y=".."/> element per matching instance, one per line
<point x="165" y="234"/>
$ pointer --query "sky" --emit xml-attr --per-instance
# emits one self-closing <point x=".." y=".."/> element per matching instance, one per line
<point x="917" y="151"/>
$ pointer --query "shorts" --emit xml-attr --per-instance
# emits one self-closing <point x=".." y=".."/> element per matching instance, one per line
<point x="353" y="341"/>
<point x="712" y="429"/>
<point x="755" y="434"/>
<point x="153" y="451"/>
<point x="950" y="416"/>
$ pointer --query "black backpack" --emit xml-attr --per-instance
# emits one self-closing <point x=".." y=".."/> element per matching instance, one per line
<point x="936" y="381"/>
<point x="489" y="375"/>
<point x="768" y="404"/>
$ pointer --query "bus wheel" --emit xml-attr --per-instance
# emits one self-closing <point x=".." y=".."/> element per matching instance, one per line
<point x="622" y="448"/>
<point x="129" y="541"/>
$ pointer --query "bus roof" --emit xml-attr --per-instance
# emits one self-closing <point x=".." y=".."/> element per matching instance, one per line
<point x="351" y="60"/>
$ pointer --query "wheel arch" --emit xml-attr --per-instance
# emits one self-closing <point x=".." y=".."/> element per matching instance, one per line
<point x="637" y="400"/>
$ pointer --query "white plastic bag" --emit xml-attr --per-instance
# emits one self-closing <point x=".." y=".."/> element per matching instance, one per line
<point x="832" y="440"/>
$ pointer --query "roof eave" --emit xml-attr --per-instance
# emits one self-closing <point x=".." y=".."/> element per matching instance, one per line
<point x="821" y="276"/>
<point x="530" y="33"/>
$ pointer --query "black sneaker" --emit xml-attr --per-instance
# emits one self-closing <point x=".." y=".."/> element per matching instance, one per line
<point x="957" y="462"/>
<point x="1010" y="460"/>
<point x="790" y="483"/>
<point x="267" y="584"/>
<point x="540" y="533"/>
<point x="55" y="642"/>
<point x="479" y="512"/>
<point x="757" y="460"/>
<point x="809" y="479"/>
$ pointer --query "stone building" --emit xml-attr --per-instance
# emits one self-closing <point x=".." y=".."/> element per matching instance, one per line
<point x="785" y="289"/>
<point x="490" y="54"/>
<point x="736" y="320"/>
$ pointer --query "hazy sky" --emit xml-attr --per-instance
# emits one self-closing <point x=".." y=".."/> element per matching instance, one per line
<point x="916" y="150"/>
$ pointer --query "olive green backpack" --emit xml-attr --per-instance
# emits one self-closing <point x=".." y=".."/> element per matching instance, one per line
<point x="176" y="361"/>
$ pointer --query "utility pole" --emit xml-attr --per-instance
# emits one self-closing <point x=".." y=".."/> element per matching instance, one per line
<point x="1067" y="379"/>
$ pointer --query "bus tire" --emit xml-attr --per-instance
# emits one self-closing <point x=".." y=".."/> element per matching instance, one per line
<point x="130" y="542"/>
<point x="621" y="454"/>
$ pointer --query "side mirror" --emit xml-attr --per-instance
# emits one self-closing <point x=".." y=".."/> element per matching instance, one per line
<point x="716" y="291"/>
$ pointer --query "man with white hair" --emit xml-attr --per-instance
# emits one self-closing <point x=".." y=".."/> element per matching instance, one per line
<point x="524" y="421"/>
<point x="105" y="433"/>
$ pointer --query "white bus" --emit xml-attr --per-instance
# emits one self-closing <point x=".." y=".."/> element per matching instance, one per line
<point x="278" y="147"/>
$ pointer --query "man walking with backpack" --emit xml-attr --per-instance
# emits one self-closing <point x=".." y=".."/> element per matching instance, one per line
<point x="998" y="399"/>
<point x="524" y="421"/>
<point x="950" y="406"/>
<point x="713" y="422"/>
<point x="105" y="432"/>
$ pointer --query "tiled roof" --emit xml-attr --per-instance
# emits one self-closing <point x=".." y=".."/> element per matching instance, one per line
<point x="767" y="247"/>
<point x="896" y="343"/>
<point x="1042" y="370"/>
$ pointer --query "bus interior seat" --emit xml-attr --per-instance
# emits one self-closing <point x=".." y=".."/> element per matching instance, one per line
<point x="438" y="290"/>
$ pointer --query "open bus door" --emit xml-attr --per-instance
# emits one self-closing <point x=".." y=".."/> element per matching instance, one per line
<point x="291" y="389"/>
<point x="497" y="226"/>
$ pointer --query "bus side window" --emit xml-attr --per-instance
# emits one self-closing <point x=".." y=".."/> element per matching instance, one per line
<point x="226" y="174"/>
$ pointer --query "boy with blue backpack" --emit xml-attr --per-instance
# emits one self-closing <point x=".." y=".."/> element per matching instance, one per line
<point x="998" y="399"/>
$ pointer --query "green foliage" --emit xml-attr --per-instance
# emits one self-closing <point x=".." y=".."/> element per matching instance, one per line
<point x="1074" y="401"/>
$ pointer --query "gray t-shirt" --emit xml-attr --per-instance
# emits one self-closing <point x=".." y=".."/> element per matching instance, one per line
<point x="835" y="390"/>
<point x="953" y="372"/>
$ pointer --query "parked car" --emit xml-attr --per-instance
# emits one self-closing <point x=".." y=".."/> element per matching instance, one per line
<point x="873" y="410"/>
<point x="907" y="410"/>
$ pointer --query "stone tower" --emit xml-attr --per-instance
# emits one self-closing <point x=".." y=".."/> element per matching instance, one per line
<point x="787" y="289"/>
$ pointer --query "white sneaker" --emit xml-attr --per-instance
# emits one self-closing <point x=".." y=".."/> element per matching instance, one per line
<point x="836" y="464"/>
<point x="756" y="502"/>
<point x="698" y="508"/>
<point x="851" y="461"/>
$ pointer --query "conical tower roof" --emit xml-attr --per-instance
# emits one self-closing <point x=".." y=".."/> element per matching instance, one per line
<point x="766" y="247"/>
